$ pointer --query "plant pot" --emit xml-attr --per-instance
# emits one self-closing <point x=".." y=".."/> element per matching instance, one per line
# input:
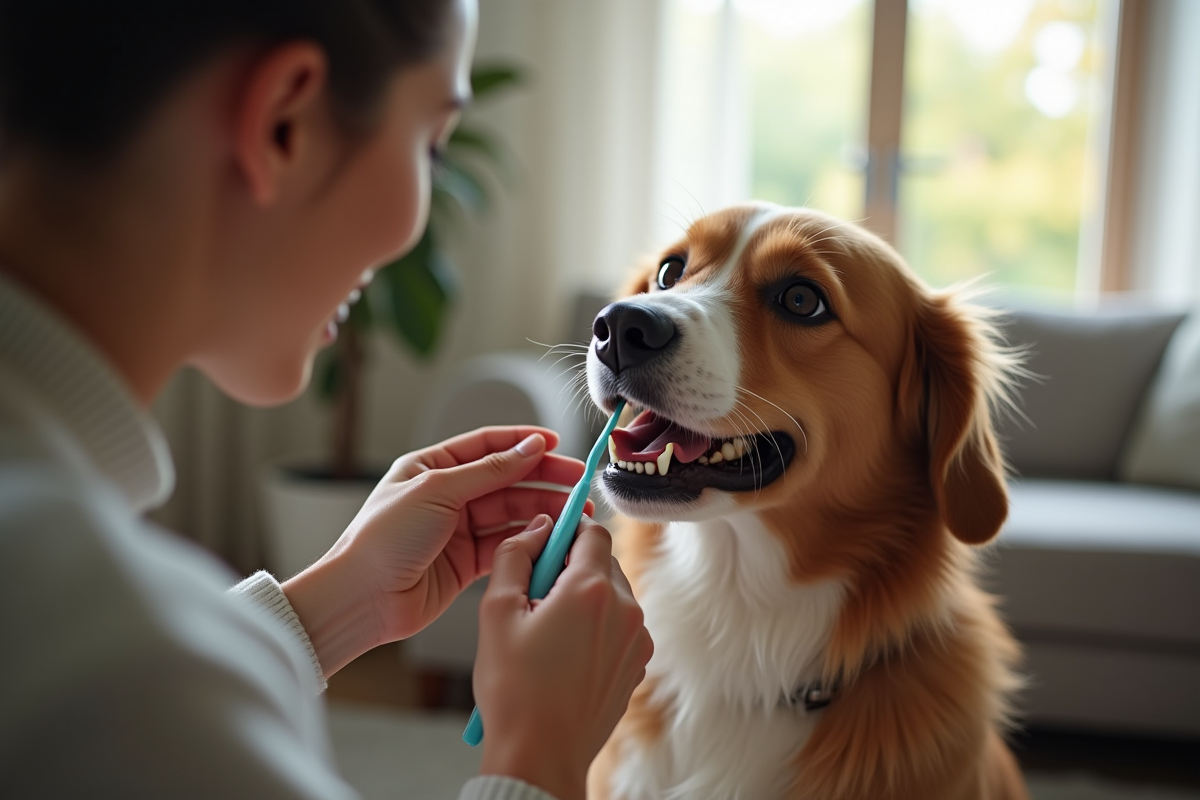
<point x="305" y="511"/>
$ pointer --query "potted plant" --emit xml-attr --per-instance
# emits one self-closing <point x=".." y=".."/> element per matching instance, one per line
<point x="306" y="508"/>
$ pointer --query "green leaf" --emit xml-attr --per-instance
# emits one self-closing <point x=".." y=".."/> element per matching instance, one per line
<point x="489" y="80"/>
<point x="461" y="183"/>
<point x="476" y="141"/>
<point x="418" y="293"/>
<point x="486" y="146"/>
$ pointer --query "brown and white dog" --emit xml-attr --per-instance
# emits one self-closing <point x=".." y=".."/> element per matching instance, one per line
<point x="813" y="459"/>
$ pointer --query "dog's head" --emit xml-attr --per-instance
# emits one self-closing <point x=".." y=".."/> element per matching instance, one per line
<point x="783" y="358"/>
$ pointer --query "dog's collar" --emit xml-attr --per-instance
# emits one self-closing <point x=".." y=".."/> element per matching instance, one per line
<point x="814" y="696"/>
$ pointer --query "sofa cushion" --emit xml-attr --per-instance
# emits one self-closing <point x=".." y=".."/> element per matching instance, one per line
<point x="1097" y="562"/>
<point x="1164" y="446"/>
<point x="1092" y="371"/>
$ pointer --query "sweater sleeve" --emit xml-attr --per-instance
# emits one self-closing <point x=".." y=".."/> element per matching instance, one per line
<point x="496" y="787"/>
<point x="264" y="592"/>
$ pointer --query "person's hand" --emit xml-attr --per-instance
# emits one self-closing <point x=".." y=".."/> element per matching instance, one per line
<point x="428" y="530"/>
<point x="553" y="677"/>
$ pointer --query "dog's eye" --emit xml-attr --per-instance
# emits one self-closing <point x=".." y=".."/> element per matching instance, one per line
<point x="670" y="272"/>
<point x="803" y="300"/>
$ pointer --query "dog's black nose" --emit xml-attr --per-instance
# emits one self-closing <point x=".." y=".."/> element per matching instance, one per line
<point x="628" y="335"/>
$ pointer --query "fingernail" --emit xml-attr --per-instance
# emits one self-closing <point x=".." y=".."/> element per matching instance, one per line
<point x="538" y="523"/>
<point x="533" y="443"/>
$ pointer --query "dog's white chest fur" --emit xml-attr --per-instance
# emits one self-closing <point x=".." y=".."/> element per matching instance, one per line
<point x="734" y="635"/>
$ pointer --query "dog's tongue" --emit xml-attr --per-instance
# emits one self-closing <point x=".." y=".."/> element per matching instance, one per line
<point x="648" y="435"/>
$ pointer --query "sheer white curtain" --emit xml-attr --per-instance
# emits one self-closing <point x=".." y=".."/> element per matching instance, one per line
<point x="584" y="130"/>
<point x="1165" y="248"/>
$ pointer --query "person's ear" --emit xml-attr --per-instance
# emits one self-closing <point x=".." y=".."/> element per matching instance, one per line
<point x="275" y="110"/>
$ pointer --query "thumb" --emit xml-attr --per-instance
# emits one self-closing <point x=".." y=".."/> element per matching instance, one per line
<point x="493" y="472"/>
<point x="513" y="564"/>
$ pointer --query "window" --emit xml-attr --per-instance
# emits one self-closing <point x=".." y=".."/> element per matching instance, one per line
<point x="967" y="132"/>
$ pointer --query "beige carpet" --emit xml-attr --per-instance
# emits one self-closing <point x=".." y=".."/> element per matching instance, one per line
<point x="388" y="755"/>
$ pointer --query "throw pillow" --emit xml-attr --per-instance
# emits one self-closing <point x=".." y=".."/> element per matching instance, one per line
<point x="1165" y="444"/>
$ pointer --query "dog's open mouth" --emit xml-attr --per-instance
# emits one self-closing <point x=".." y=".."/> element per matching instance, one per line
<point x="655" y="458"/>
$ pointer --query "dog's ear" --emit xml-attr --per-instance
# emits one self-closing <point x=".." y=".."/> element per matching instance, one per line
<point x="954" y="372"/>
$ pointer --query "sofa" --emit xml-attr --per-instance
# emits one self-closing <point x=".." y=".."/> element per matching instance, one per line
<point x="1098" y="564"/>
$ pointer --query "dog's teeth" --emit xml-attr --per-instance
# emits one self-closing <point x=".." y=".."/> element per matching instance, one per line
<point x="664" y="460"/>
<point x="728" y="451"/>
<point x="716" y="457"/>
<point x="621" y="464"/>
<point x="739" y="447"/>
<point x="629" y="466"/>
<point x="639" y="467"/>
<point x="703" y="459"/>
<point x="612" y="449"/>
<point x="650" y="470"/>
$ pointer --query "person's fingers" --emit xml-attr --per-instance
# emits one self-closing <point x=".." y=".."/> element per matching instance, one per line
<point x="557" y="469"/>
<point x="512" y="565"/>
<point x="466" y="448"/>
<point x="476" y="444"/>
<point x="455" y="486"/>
<point x="514" y="504"/>
<point x="619" y="579"/>
<point x="592" y="549"/>
<point x="488" y="539"/>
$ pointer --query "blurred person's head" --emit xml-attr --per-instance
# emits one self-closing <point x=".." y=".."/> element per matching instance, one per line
<point x="279" y="148"/>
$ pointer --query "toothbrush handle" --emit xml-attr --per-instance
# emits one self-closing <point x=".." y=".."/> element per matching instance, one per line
<point x="473" y="734"/>
<point x="553" y="558"/>
<point x="546" y="570"/>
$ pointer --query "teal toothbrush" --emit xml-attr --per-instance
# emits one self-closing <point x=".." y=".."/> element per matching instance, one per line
<point x="554" y="557"/>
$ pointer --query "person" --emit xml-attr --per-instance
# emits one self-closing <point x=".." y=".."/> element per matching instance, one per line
<point x="202" y="182"/>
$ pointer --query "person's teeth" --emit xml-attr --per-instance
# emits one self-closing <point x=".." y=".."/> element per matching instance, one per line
<point x="664" y="460"/>
<point x="343" y="312"/>
<point x="650" y="469"/>
<point x="612" y="449"/>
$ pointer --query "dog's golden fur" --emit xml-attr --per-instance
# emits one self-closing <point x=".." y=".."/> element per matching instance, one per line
<point x="898" y="475"/>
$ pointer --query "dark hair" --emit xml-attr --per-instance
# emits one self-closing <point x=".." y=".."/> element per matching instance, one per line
<point x="77" y="77"/>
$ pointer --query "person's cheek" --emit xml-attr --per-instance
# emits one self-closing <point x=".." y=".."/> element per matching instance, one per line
<point x="412" y="201"/>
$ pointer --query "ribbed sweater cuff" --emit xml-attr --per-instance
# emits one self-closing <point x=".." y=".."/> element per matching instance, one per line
<point x="496" y="787"/>
<point x="263" y="591"/>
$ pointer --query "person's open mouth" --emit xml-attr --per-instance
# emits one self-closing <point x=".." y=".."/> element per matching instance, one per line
<point x="657" y="459"/>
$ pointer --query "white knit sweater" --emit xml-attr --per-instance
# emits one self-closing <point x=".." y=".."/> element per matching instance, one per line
<point x="127" y="669"/>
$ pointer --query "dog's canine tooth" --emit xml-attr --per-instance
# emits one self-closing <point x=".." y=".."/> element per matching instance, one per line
<point x="612" y="449"/>
<point x="664" y="460"/>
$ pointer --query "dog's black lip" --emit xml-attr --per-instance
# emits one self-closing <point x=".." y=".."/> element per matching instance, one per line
<point x="683" y="483"/>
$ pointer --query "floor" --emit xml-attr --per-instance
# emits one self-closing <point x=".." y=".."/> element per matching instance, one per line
<point x="383" y="679"/>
